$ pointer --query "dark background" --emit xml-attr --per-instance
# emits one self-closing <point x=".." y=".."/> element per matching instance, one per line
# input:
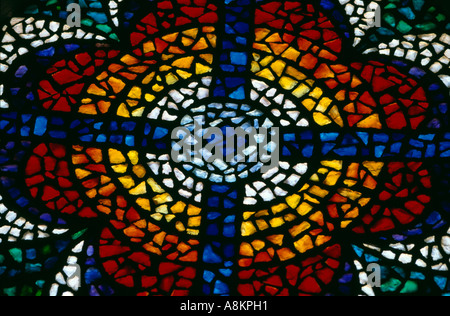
<point x="9" y="7"/>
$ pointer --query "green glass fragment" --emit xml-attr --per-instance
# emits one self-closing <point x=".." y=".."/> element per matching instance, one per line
<point x="440" y="17"/>
<point x="410" y="287"/>
<point x="104" y="28"/>
<point x="87" y="22"/>
<point x="16" y="253"/>
<point x="78" y="234"/>
<point x="26" y="291"/>
<point x="426" y="26"/>
<point x="404" y="27"/>
<point x="10" y="291"/>
<point x="114" y="36"/>
<point x="389" y="19"/>
<point x="418" y="4"/>
<point x="46" y="250"/>
<point x="391" y="285"/>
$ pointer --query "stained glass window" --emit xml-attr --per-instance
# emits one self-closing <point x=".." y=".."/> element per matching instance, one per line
<point x="353" y="96"/>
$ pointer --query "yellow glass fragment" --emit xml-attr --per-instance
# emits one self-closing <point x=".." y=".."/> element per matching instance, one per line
<point x="155" y="186"/>
<point x="115" y="156"/>
<point x="180" y="227"/>
<point x="191" y="32"/>
<point x="192" y="232"/>
<point x="291" y="54"/>
<point x="121" y="168"/>
<point x="278" y="48"/>
<point x="246" y="250"/>
<point x="247" y="215"/>
<point x="285" y="254"/>
<point x="276" y="239"/>
<point x="336" y="116"/>
<point x="194" y="221"/>
<point x="293" y="72"/>
<point x="149" y="47"/>
<point x="278" y="67"/>
<point x="139" y="171"/>
<point x="332" y="178"/>
<point x="148" y="78"/>
<point x="201" y="44"/>
<point x="133" y="155"/>
<point x="309" y="104"/>
<point x="144" y="203"/>
<point x="262" y="213"/>
<point x="304" y="208"/>
<point x="164" y="68"/>
<point x="374" y="167"/>
<point x="171" y="79"/>
<point x="353" y="213"/>
<point x="266" y="60"/>
<point x="262" y="47"/>
<point x="334" y="164"/>
<point x="353" y="195"/>
<point x="178" y="207"/>
<point x="372" y="121"/>
<point x="91" y="193"/>
<point x="157" y="88"/>
<point x="301" y="90"/>
<point x="202" y="69"/>
<point x="104" y="179"/>
<point x="170" y="37"/>
<point x="127" y="182"/>
<point x="212" y="39"/>
<point x="318" y="218"/>
<point x="116" y="84"/>
<point x="318" y="191"/>
<point x="248" y="229"/>
<point x="323" y="105"/>
<point x="187" y="41"/>
<point x="129" y="60"/>
<point x="81" y="173"/>
<point x="274" y="38"/>
<point x="288" y="83"/>
<point x="304" y="244"/>
<point x="276" y="222"/>
<point x="208" y="29"/>
<point x="261" y="33"/>
<point x="135" y="93"/>
<point x="321" y="239"/>
<point x="94" y="89"/>
<point x="262" y="224"/>
<point x="162" y="198"/>
<point x="193" y="210"/>
<point x="279" y="208"/>
<point x="293" y="200"/>
<point x="184" y="63"/>
<point x="255" y="67"/>
<point x="183" y="74"/>
<point x="139" y="189"/>
<point x="267" y="74"/>
<point x="258" y="244"/>
<point x="321" y="119"/>
<point x="209" y="58"/>
<point x="298" y="229"/>
<point x="316" y="93"/>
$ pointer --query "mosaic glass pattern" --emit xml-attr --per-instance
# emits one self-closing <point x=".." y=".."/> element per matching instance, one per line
<point x="92" y="203"/>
